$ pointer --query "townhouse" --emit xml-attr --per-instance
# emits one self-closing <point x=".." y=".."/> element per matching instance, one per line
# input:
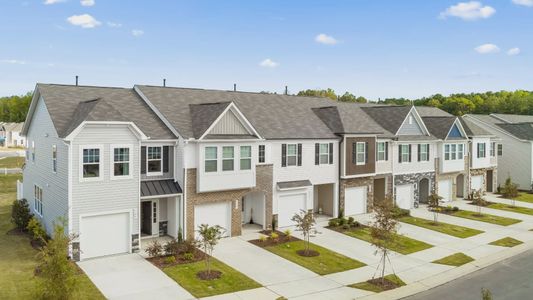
<point x="121" y="165"/>
<point x="10" y="135"/>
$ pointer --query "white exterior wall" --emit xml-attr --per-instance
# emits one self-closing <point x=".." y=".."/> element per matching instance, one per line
<point x="414" y="166"/>
<point x="482" y="162"/>
<point x="40" y="172"/>
<point x="105" y="195"/>
<point x="448" y="166"/>
<point x="384" y="167"/>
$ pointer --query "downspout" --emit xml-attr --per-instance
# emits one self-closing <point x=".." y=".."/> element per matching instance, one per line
<point x="393" y="185"/>
<point x="341" y="143"/>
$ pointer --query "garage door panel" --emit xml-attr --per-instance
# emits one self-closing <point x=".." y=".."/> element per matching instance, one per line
<point x="405" y="196"/>
<point x="103" y="235"/>
<point x="213" y="214"/>
<point x="445" y="190"/>
<point x="288" y="206"/>
<point x="477" y="182"/>
<point x="355" y="200"/>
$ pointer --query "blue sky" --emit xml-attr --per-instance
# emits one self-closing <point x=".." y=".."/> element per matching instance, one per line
<point x="371" y="48"/>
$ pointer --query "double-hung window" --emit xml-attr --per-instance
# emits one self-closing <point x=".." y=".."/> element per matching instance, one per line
<point x="360" y="153"/>
<point x="405" y="151"/>
<point x="154" y="159"/>
<point x="500" y="149"/>
<point x="210" y="160"/>
<point x="121" y="162"/>
<point x="32" y="151"/>
<point x="38" y="200"/>
<point x="246" y="158"/>
<point x="447" y="152"/>
<point x="91" y="163"/>
<point x="54" y="158"/>
<point x="292" y="154"/>
<point x="381" y="151"/>
<point x="228" y="158"/>
<point x="460" y="151"/>
<point x="454" y="151"/>
<point x="324" y="154"/>
<point x="492" y="149"/>
<point x="424" y="152"/>
<point x="261" y="154"/>
<point x="481" y="150"/>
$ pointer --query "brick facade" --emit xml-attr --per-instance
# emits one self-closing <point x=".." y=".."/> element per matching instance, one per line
<point x="263" y="184"/>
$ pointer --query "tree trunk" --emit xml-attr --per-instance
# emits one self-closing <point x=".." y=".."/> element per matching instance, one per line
<point x="383" y="270"/>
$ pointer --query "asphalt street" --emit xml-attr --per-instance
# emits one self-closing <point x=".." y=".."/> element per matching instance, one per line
<point x="509" y="279"/>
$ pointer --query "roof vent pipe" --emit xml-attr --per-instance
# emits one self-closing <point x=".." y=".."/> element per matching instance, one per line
<point x="76" y="80"/>
<point x="234" y="87"/>
<point x="286" y="90"/>
<point x="164" y="82"/>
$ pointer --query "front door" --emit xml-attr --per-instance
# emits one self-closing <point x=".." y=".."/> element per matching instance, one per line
<point x="146" y="218"/>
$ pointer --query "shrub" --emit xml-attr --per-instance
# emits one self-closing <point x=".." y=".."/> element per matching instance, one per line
<point x="180" y="235"/>
<point x="346" y="226"/>
<point x="342" y="221"/>
<point x="188" y="246"/>
<point x="356" y="224"/>
<point x="455" y="208"/>
<point x="333" y="223"/>
<point x="510" y="189"/>
<point x="154" y="249"/>
<point x="20" y="214"/>
<point x="188" y="256"/>
<point x="262" y="238"/>
<point x="400" y="212"/>
<point x="274" y="236"/>
<point x="170" y="259"/>
<point x="351" y="220"/>
<point x="172" y="247"/>
<point x="287" y="233"/>
<point x="274" y="223"/>
<point x="37" y="230"/>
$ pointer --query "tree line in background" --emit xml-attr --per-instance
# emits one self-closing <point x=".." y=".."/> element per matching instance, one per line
<point x="14" y="108"/>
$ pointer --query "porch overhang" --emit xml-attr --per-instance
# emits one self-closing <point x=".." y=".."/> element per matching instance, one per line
<point x="291" y="185"/>
<point x="160" y="188"/>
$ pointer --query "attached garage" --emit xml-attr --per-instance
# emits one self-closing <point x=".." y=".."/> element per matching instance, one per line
<point x="288" y="206"/>
<point x="476" y="183"/>
<point x="355" y="199"/>
<point x="105" y="234"/>
<point x="213" y="214"/>
<point x="445" y="190"/>
<point x="405" y="196"/>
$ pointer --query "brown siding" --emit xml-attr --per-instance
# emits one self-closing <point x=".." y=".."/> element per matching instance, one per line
<point x="370" y="166"/>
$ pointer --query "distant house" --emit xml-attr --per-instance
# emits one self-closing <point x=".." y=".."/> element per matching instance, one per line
<point x="10" y="135"/>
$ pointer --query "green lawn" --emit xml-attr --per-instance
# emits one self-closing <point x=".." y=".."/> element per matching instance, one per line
<point x="367" y="286"/>
<point x="230" y="281"/>
<point x="508" y="207"/>
<point x="524" y="197"/>
<point x="11" y="162"/>
<point x="403" y="245"/>
<point x="485" y="217"/>
<point x="450" y="229"/>
<point x="506" y="242"/>
<point x="18" y="258"/>
<point x="326" y="263"/>
<point x="457" y="259"/>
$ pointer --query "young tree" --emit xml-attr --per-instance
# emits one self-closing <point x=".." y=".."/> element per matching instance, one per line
<point x="382" y="230"/>
<point x="478" y="200"/>
<point x="58" y="273"/>
<point x="305" y="222"/>
<point x="208" y="239"/>
<point x="510" y="190"/>
<point x="434" y="205"/>
<point x="20" y="214"/>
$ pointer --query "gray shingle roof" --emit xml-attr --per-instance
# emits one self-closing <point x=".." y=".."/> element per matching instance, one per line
<point x="203" y="115"/>
<point x="472" y="129"/>
<point x="348" y="118"/>
<point x="514" y="118"/>
<point x="439" y="126"/>
<point x="389" y="117"/>
<point x="430" y="111"/>
<point x="62" y="102"/>
<point x="523" y="131"/>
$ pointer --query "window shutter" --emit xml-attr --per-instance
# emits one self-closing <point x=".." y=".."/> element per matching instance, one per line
<point x="330" y="153"/>
<point x="283" y="155"/>
<point x="317" y="153"/>
<point x="366" y="152"/>
<point x="386" y="150"/>
<point x="410" y="152"/>
<point x="354" y="153"/>
<point x="299" y="154"/>
<point x="427" y="145"/>
<point x="478" y="150"/>
<point x="143" y="160"/>
<point x="165" y="159"/>
<point x="419" y="147"/>
<point x="400" y="153"/>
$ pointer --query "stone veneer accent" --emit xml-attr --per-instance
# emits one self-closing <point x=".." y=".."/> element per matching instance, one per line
<point x="414" y="178"/>
<point x="75" y="251"/>
<point x="135" y="243"/>
<point x="355" y="182"/>
<point x="263" y="184"/>
<point x="452" y="176"/>
<point x="483" y="171"/>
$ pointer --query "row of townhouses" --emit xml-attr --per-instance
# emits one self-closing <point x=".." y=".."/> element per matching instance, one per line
<point x="124" y="164"/>
<point x="10" y="134"/>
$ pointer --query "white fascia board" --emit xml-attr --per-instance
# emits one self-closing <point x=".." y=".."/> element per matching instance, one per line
<point x="460" y="126"/>
<point x="33" y="105"/>
<point x="132" y="125"/>
<point x="476" y="120"/>
<point x="240" y="116"/>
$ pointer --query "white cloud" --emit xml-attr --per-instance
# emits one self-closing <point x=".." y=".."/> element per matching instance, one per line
<point x="49" y="2"/>
<point x="268" y="63"/>
<point x="137" y="32"/>
<point x="13" y="61"/>
<point x="487" y="49"/>
<point x="325" y="39"/>
<point x="523" y="2"/>
<point x="87" y="2"/>
<point x="84" y="21"/>
<point x="114" y="25"/>
<point x="468" y="11"/>
<point x="513" y="51"/>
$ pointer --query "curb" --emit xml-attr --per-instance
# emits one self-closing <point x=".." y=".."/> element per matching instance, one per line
<point x="450" y="275"/>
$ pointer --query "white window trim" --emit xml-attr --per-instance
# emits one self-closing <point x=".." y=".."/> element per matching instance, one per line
<point x="232" y="158"/>
<point x="259" y="154"/>
<point x="130" y="161"/>
<point x="425" y="152"/>
<point x="462" y="152"/>
<point x="241" y="157"/>
<point x="384" y="151"/>
<point x="54" y="160"/>
<point x="357" y="162"/>
<point x="407" y="153"/>
<point x="35" y="200"/>
<point x="160" y="173"/>
<point x="320" y="154"/>
<point x="210" y="159"/>
<point x="295" y="156"/>
<point x="101" y="163"/>
<point x="492" y="149"/>
<point x="484" y="150"/>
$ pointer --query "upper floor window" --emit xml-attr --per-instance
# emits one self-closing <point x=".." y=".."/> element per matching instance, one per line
<point x="481" y="150"/>
<point x="423" y="152"/>
<point x="38" y="200"/>
<point x="447" y="152"/>
<point x="500" y="149"/>
<point x="454" y="151"/>
<point x="121" y="162"/>
<point x="246" y="157"/>
<point x="228" y="158"/>
<point x="382" y="149"/>
<point x="210" y="161"/>
<point x="154" y="160"/>
<point x="54" y="158"/>
<point x="292" y="154"/>
<point x="460" y="151"/>
<point x="91" y="162"/>
<point x="404" y="153"/>
<point x="492" y="149"/>
<point x="32" y="151"/>
<point x="360" y="153"/>
<point x="324" y="154"/>
<point x="261" y="154"/>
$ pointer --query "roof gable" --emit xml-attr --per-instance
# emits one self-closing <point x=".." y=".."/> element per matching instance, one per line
<point x="389" y="117"/>
<point x="455" y="132"/>
<point x="229" y="124"/>
<point x="411" y="126"/>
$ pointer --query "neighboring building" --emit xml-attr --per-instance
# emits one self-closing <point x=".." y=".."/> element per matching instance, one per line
<point x="514" y="151"/>
<point x="10" y="135"/>
<point x="125" y="164"/>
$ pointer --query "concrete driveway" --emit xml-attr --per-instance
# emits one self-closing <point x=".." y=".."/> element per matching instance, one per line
<point x="130" y="276"/>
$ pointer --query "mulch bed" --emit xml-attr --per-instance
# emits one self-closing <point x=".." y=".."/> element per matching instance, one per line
<point x="384" y="285"/>
<point x="310" y="253"/>
<point x="36" y="244"/>
<point x="162" y="262"/>
<point x="282" y="238"/>
<point x="341" y="228"/>
<point x="214" y="274"/>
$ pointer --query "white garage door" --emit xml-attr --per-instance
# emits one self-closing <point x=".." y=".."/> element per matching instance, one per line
<point x="104" y="235"/>
<point x="477" y="183"/>
<point x="355" y="200"/>
<point x="288" y="206"/>
<point x="405" y="196"/>
<point x="213" y="214"/>
<point x="445" y="190"/>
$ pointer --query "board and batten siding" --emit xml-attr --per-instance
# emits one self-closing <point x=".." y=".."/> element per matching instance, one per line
<point x="106" y="195"/>
<point x="229" y="124"/>
<point x="40" y="172"/>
